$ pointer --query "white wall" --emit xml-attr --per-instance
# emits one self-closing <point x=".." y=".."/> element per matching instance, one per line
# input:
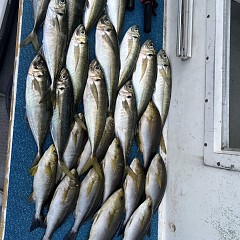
<point x="202" y="202"/>
<point x="3" y="4"/>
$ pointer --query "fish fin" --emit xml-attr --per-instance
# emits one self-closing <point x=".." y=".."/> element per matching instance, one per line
<point x="33" y="170"/>
<point x="144" y="67"/>
<point x="148" y="231"/>
<point x="71" y="235"/>
<point x="46" y="96"/>
<point x="65" y="169"/>
<point x="131" y="173"/>
<point x="36" y="86"/>
<point x="121" y="229"/>
<point x="126" y="106"/>
<point x="37" y="223"/>
<point x="80" y="122"/>
<point x="31" y="197"/>
<point x="94" y="92"/>
<point x="96" y="166"/>
<point x="32" y="37"/>
<point x="162" y="145"/>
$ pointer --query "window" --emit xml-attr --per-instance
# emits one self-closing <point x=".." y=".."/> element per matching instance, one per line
<point x="222" y="103"/>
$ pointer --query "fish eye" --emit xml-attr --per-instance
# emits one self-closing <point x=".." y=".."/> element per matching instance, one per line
<point x="62" y="1"/>
<point x="129" y="96"/>
<point x="82" y="32"/>
<point x="97" y="68"/>
<point x="150" y="55"/>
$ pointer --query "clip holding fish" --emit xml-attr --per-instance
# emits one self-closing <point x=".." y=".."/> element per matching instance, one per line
<point x="149" y="10"/>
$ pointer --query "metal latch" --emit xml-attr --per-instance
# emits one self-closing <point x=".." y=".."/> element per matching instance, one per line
<point x="185" y="25"/>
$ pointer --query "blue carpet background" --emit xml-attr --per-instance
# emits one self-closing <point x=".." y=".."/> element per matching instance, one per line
<point x="19" y="211"/>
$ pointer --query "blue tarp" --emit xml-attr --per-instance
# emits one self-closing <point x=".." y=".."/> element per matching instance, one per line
<point x="19" y="211"/>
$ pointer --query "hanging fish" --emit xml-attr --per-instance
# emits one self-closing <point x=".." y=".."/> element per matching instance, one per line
<point x="62" y="118"/>
<point x="38" y="113"/>
<point x="125" y="118"/>
<point x="107" y="53"/>
<point x="108" y="218"/>
<point x="162" y="93"/>
<point x="90" y="196"/>
<point x="149" y="133"/>
<point x="95" y="107"/>
<point x="55" y="39"/>
<point x="77" y="63"/>
<point x="156" y="181"/>
<point x="75" y="144"/>
<point x="139" y="222"/>
<point x="144" y="76"/>
<point x="62" y="204"/>
<point x="43" y="184"/>
<point x="129" y="51"/>
<point x="113" y="169"/>
<point x="133" y="190"/>
<point x="39" y="11"/>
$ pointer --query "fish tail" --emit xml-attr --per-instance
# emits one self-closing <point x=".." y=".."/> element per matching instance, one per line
<point x="72" y="235"/>
<point x="32" y="37"/>
<point x="65" y="169"/>
<point x="96" y="166"/>
<point x="163" y="145"/>
<point x="37" y="223"/>
<point x="35" y="162"/>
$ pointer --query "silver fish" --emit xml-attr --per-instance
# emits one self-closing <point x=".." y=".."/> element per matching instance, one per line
<point x="107" y="138"/>
<point x="75" y="145"/>
<point x="39" y="12"/>
<point x="38" y="113"/>
<point x="113" y="169"/>
<point x="139" y="222"/>
<point x="149" y="133"/>
<point x="95" y="106"/>
<point x="133" y="189"/>
<point x="90" y="196"/>
<point x="75" y="11"/>
<point x="43" y="183"/>
<point x="108" y="218"/>
<point x="144" y="76"/>
<point x="125" y="118"/>
<point x="116" y="11"/>
<point x="162" y="93"/>
<point x="156" y="181"/>
<point x="62" y="118"/>
<point x="107" y="53"/>
<point x="55" y="38"/>
<point x="77" y="62"/>
<point x="62" y="204"/>
<point x="92" y="12"/>
<point x="129" y="51"/>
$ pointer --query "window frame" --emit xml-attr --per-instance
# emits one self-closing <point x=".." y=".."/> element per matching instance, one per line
<point x="216" y="137"/>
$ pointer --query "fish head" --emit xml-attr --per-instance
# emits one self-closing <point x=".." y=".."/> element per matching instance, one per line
<point x="38" y="68"/>
<point x="136" y="166"/>
<point x="127" y="92"/>
<point x="156" y="164"/>
<point x="104" y="24"/>
<point x="163" y="59"/>
<point x="58" y="6"/>
<point x="95" y="72"/>
<point x="148" y="49"/>
<point x="52" y="149"/>
<point x="133" y="32"/>
<point x="80" y="35"/>
<point x="94" y="176"/>
<point x="64" y="81"/>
